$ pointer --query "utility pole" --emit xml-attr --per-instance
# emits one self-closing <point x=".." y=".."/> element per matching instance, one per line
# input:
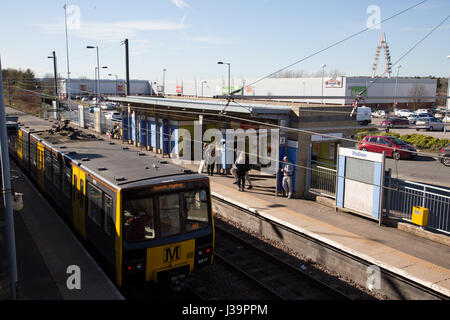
<point x="55" y="83"/>
<point x="9" y="218"/>
<point x="67" y="53"/>
<point x="127" y="65"/>
<point x="9" y="94"/>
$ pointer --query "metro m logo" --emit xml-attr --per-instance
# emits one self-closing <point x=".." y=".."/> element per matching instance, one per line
<point x="172" y="253"/>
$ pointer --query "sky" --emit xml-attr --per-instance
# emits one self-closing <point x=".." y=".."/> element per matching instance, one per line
<point x="189" y="37"/>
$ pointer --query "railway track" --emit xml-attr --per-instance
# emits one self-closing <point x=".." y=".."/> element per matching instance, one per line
<point x="278" y="278"/>
<point x="394" y="286"/>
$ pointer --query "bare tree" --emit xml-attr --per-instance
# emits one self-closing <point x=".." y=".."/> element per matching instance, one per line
<point x="416" y="93"/>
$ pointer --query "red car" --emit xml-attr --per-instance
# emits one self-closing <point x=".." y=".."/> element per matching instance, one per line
<point x="395" y="122"/>
<point x="393" y="147"/>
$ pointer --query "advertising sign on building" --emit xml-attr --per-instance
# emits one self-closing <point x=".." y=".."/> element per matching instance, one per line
<point x="357" y="90"/>
<point x="333" y="83"/>
<point x="120" y="88"/>
<point x="83" y="87"/>
<point x="179" y="89"/>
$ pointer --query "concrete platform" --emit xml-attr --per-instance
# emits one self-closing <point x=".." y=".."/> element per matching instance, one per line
<point x="45" y="248"/>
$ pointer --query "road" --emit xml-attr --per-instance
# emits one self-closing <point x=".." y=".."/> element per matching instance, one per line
<point x="422" y="168"/>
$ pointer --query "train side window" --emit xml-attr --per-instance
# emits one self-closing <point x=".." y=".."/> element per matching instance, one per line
<point x="95" y="204"/>
<point x="56" y="171"/>
<point x="48" y="164"/>
<point x="196" y="208"/>
<point x="81" y="193"/>
<point x="107" y="208"/>
<point x="67" y="180"/>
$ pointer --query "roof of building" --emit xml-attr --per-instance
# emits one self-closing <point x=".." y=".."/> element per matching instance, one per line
<point x="209" y="105"/>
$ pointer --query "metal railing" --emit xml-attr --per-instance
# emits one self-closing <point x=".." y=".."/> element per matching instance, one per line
<point x="403" y="195"/>
<point x="323" y="180"/>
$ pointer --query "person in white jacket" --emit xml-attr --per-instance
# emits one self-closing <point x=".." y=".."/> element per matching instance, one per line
<point x="288" y="171"/>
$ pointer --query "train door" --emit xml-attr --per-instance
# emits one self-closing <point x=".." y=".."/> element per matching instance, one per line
<point x="40" y="165"/>
<point x="78" y="200"/>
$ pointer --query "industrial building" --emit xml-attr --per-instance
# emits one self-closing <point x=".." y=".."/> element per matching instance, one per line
<point x="345" y="87"/>
<point x="88" y="87"/>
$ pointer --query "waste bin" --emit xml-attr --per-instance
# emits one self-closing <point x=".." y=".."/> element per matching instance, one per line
<point x="419" y="216"/>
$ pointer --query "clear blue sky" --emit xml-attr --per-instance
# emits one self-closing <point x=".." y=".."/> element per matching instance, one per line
<point x="188" y="37"/>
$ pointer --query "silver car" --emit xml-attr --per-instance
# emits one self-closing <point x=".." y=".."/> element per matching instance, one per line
<point x="430" y="124"/>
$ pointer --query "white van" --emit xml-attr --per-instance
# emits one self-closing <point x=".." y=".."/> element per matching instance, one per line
<point x="363" y="115"/>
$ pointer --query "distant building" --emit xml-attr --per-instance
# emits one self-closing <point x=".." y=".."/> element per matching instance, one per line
<point x="88" y="87"/>
<point x="344" y="88"/>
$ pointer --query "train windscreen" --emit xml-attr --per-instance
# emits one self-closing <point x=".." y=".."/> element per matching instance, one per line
<point x="148" y="215"/>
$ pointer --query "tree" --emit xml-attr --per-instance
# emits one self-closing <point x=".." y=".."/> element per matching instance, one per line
<point x="416" y="93"/>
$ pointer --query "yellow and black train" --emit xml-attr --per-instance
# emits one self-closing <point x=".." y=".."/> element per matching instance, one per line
<point x="147" y="219"/>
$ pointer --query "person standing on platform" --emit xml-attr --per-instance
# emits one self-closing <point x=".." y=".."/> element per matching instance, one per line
<point x="209" y="158"/>
<point x="218" y="157"/>
<point x="241" y="169"/>
<point x="288" y="171"/>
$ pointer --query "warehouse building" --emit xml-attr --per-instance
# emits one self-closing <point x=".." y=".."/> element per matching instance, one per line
<point x="343" y="88"/>
<point x="88" y="87"/>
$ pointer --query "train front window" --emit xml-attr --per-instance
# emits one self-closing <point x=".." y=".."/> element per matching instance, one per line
<point x="169" y="214"/>
<point x="139" y="219"/>
<point x="196" y="207"/>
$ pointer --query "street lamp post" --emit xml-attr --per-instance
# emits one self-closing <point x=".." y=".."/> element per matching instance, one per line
<point x="323" y="73"/>
<point x="202" y="86"/>
<point x="56" y="82"/>
<point x="115" y="75"/>
<point x="164" y="82"/>
<point x="98" y="72"/>
<point x="229" y="67"/>
<point x="448" y="104"/>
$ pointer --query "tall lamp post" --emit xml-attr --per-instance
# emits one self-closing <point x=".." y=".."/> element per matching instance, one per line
<point x="164" y="82"/>
<point x="448" y="104"/>
<point x="203" y="82"/>
<point x="56" y="82"/>
<point x="323" y="73"/>
<point x="116" y="76"/>
<point x="396" y="79"/>
<point x="98" y="72"/>
<point x="229" y="67"/>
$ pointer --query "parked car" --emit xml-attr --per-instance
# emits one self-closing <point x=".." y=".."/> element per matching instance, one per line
<point x="429" y="124"/>
<point x="363" y="115"/>
<point x="393" y="147"/>
<point x="403" y="113"/>
<point x="445" y="154"/>
<point x="419" y="116"/>
<point x="379" y="114"/>
<point x="108" y="106"/>
<point x="440" y="115"/>
<point x="395" y="122"/>
<point x="429" y="111"/>
<point x="109" y="115"/>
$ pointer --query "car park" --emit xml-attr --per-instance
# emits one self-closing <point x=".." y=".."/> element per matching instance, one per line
<point x="429" y="111"/>
<point x="393" y="147"/>
<point x="445" y="155"/>
<point x="429" y="124"/>
<point x="395" y="122"/>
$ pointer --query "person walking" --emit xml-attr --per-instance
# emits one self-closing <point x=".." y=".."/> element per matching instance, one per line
<point x="241" y="168"/>
<point x="209" y="158"/>
<point x="218" y="157"/>
<point x="288" y="171"/>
